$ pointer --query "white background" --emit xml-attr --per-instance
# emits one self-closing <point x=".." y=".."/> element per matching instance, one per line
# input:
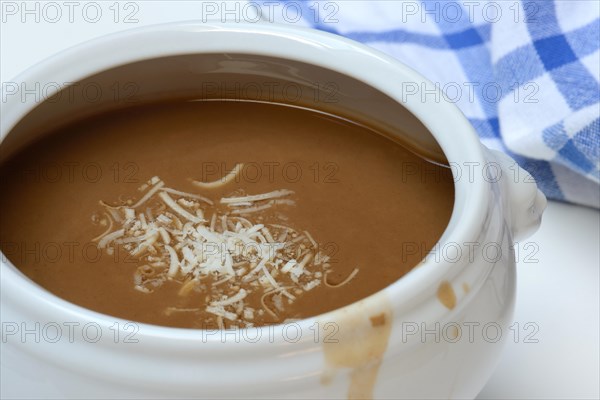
<point x="558" y="289"/>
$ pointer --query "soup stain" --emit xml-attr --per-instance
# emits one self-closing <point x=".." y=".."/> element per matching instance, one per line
<point x="466" y="287"/>
<point x="360" y="344"/>
<point x="453" y="333"/>
<point x="446" y="295"/>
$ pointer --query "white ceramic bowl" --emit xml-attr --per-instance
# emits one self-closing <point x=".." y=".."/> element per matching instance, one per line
<point x="425" y="349"/>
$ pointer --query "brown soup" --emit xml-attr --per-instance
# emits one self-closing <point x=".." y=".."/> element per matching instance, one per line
<point x="219" y="213"/>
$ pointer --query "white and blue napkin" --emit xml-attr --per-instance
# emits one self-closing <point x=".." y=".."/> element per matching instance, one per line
<point x="525" y="73"/>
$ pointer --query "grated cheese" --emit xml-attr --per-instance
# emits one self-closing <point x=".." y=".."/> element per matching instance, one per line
<point x="231" y="300"/>
<point x="288" y="266"/>
<point x="110" y="237"/>
<point x="342" y="283"/>
<point x="174" y="265"/>
<point x="243" y="257"/>
<point x="175" y="207"/>
<point x="312" y="241"/>
<point x="221" y="182"/>
<point x="256" y="197"/>
<point x="189" y="195"/>
<point x="221" y="312"/>
<point x="149" y="194"/>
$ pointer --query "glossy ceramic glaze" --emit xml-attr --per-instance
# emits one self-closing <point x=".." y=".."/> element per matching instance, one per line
<point x="51" y="348"/>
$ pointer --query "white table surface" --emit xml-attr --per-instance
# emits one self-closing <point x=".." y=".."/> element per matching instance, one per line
<point x="558" y="293"/>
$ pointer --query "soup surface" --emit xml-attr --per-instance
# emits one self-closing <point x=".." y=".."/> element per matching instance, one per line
<point x="219" y="214"/>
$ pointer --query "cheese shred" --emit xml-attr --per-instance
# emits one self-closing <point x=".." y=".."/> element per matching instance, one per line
<point x="223" y="181"/>
<point x="342" y="283"/>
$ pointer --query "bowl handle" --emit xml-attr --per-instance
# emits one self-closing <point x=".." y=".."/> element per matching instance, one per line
<point x="525" y="202"/>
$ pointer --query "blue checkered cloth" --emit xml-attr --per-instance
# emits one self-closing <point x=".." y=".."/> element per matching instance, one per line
<point x="525" y="73"/>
